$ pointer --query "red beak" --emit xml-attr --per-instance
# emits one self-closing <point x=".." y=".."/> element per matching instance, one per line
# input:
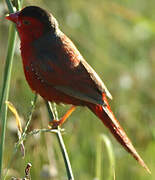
<point x="13" y="17"/>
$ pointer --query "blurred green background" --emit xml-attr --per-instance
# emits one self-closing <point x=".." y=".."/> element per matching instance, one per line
<point x="117" y="38"/>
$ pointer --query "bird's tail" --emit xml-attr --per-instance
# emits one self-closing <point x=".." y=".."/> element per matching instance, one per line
<point x="109" y="120"/>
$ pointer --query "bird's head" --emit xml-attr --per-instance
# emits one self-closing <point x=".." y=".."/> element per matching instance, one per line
<point x="33" y="21"/>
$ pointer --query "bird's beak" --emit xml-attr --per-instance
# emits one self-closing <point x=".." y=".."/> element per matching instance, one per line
<point x="13" y="17"/>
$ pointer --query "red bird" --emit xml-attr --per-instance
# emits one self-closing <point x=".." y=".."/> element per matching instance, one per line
<point x="56" y="70"/>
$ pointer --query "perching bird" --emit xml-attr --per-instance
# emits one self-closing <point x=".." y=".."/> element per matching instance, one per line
<point x="56" y="70"/>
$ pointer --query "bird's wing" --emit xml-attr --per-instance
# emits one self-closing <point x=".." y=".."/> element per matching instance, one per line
<point x="61" y="66"/>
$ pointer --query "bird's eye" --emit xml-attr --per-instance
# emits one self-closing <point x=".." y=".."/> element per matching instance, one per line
<point x="26" y="22"/>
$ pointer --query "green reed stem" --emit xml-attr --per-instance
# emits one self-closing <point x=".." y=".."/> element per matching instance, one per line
<point x="61" y="142"/>
<point x="6" y="83"/>
<point x="111" y="175"/>
<point x="6" y="87"/>
<point x="98" y="159"/>
<point x="65" y="156"/>
<point x="111" y="156"/>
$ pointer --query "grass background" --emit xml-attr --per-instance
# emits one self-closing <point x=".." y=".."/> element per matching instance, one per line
<point x="117" y="39"/>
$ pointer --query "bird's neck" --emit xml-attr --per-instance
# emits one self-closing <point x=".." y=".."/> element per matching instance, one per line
<point x="27" y="49"/>
<point x="27" y="37"/>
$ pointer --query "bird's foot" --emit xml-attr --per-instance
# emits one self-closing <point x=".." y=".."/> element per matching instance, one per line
<point x="55" y="123"/>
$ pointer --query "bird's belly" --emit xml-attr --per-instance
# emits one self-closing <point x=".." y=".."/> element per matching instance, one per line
<point x="48" y="92"/>
<point x="38" y="84"/>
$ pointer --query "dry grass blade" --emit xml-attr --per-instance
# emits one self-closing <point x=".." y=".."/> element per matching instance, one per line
<point x="19" y="126"/>
<point x="14" y="111"/>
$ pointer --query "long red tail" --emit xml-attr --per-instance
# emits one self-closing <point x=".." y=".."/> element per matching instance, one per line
<point x="108" y="118"/>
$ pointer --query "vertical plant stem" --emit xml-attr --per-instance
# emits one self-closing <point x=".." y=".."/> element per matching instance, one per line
<point x="30" y="115"/>
<point x="98" y="159"/>
<point x="50" y="111"/>
<point x="6" y="83"/>
<point x="6" y="87"/>
<point x="65" y="156"/>
<point x="111" y="156"/>
<point x="61" y="143"/>
<point x="10" y="6"/>
<point x="111" y="175"/>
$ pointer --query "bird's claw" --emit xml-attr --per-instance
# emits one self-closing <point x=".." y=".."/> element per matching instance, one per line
<point x="54" y="124"/>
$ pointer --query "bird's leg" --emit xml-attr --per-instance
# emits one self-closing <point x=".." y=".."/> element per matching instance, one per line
<point x="56" y="123"/>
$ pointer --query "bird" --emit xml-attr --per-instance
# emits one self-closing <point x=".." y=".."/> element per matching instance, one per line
<point x="55" y="69"/>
